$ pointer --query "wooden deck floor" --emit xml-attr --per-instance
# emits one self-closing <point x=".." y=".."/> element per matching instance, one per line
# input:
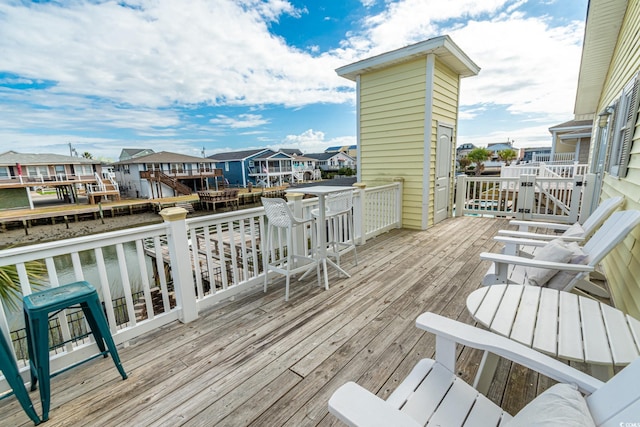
<point x="261" y="361"/>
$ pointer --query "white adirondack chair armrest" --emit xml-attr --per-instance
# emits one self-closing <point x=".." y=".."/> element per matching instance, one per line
<point x="538" y="236"/>
<point x="520" y="241"/>
<point x="530" y="262"/>
<point x="357" y="406"/>
<point x="540" y="224"/>
<point x="481" y="339"/>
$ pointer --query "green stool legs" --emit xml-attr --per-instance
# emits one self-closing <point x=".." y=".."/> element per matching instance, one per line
<point x="37" y="307"/>
<point x="12" y="375"/>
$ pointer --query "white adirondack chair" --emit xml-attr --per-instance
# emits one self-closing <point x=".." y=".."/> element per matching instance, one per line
<point x="512" y="269"/>
<point x="432" y="394"/>
<point x="572" y="233"/>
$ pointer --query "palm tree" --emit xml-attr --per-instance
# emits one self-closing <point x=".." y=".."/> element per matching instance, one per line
<point x="479" y="156"/>
<point x="10" y="291"/>
<point x="464" y="162"/>
<point x="87" y="155"/>
<point x="507" y="155"/>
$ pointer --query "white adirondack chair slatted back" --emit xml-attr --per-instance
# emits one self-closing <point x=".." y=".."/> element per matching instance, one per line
<point x="617" y="402"/>
<point x="612" y="232"/>
<point x="602" y="212"/>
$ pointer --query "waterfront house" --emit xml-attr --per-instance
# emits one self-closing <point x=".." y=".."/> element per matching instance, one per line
<point x="350" y="150"/>
<point x="165" y="174"/>
<point x="407" y="123"/>
<point x="332" y="161"/>
<point x="68" y="176"/>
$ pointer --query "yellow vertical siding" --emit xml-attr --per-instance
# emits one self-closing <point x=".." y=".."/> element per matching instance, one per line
<point x="622" y="266"/>
<point x="392" y="130"/>
<point x="392" y="108"/>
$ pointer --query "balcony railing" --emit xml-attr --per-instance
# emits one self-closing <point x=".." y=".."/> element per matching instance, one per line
<point x="167" y="272"/>
<point x="531" y="197"/>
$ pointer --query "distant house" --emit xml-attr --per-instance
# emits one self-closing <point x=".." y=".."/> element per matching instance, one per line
<point x="350" y="150"/>
<point x="571" y="141"/>
<point x="265" y="167"/>
<point x="608" y="94"/>
<point x="332" y="161"/>
<point x="407" y="118"/>
<point x="236" y="165"/>
<point x="463" y="150"/>
<point x="68" y="175"/>
<point x="165" y="174"/>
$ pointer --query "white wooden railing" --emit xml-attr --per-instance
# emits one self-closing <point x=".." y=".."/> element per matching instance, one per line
<point x="182" y="267"/>
<point x="524" y="197"/>
<point x="545" y="169"/>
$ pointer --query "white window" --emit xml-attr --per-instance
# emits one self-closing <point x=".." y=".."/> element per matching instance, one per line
<point x="4" y="172"/>
<point x="621" y="129"/>
<point x="226" y="166"/>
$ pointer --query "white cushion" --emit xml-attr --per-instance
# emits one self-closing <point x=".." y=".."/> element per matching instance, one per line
<point x="556" y="251"/>
<point x="575" y="230"/>
<point x="560" y="405"/>
<point x="561" y="279"/>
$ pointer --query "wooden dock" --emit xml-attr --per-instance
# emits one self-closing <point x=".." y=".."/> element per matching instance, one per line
<point x="261" y="361"/>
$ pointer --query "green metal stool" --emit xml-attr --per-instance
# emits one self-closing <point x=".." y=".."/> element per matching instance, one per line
<point x="37" y="307"/>
<point x="12" y="375"/>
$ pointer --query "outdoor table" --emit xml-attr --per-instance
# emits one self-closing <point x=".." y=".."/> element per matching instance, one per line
<point x="321" y="191"/>
<point x="561" y="324"/>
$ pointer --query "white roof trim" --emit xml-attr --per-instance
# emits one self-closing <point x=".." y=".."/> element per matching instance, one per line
<point x="443" y="47"/>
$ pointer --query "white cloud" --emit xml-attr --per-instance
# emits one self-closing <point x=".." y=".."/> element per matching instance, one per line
<point x="241" y="121"/>
<point x="311" y="141"/>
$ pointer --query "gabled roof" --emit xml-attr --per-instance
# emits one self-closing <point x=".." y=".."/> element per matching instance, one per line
<point x="128" y="153"/>
<point x="166" y="157"/>
<point x="500" y="147"/>
<point x="604" y="20"/>
<point x="327" y="156"/>
<point x="292" y="151"/>
<point x="237" y="155"/>
<point x="10" y="158"/>
<point x="572" y="124"/>
<point x="443" y="47"/>
<point x="274" y="155"/>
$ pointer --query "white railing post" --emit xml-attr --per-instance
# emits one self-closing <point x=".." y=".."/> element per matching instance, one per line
<point x="179" y="255"/>
<point x="588" y="187"/>
<point x="576" y="195"/>
<point x="461" y="194"/>
<point x="299" y="235"/>
<point x="400" y="182"/>
<point x="526" y="197"/>
<point x="359" y="212"/>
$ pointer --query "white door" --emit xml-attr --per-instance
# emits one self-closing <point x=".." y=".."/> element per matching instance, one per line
<point x="443" y="173"/>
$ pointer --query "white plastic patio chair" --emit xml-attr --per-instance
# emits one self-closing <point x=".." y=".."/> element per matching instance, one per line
<point x="571" y="233"/>
<point x="432" y="394"/>
<point x="339" y="218"/>
<point x="285" y="257"/>
<point x="517" y="269"/>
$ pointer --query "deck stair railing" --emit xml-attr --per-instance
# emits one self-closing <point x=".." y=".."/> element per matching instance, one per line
<point x="175" y="269"/>
<point x="560" y="170"/>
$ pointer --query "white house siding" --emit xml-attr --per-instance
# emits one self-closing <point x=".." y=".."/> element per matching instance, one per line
<point x="622" y="266"/>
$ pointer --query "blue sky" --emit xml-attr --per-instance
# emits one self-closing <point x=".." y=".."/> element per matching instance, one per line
<point x="237" y="74"/>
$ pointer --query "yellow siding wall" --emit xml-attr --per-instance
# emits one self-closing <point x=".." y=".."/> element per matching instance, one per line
<point x="622" y="266"/>
<point x="392" y="114"/>
<point x="392" y="106"/>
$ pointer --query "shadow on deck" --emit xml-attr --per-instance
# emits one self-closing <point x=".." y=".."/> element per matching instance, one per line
<point x="258" y="360"/>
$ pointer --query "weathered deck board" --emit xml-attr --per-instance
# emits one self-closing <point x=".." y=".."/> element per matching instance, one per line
<point x="259" y="360"/>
